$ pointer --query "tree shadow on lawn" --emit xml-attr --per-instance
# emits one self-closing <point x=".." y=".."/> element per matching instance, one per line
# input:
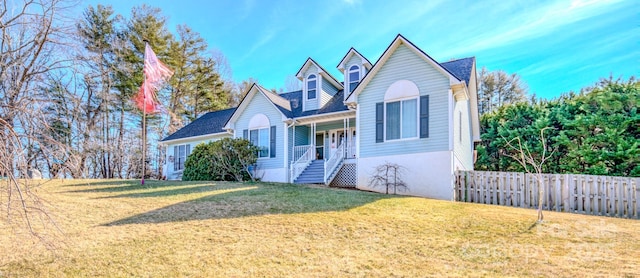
<point x="131" y="185"/>
<point x="255" y="200"/>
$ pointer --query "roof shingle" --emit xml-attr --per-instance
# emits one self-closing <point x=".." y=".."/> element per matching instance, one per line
<point x="209" y="123"/>
<point x="461" y="68"/>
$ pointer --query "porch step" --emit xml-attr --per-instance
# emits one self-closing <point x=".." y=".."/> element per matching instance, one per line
<point x="314" y="173"/>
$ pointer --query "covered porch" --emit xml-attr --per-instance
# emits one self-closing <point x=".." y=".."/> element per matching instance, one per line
<point x="320" y="146"/>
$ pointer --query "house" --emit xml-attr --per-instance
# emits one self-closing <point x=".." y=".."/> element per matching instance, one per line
<point x="406" y="109"/>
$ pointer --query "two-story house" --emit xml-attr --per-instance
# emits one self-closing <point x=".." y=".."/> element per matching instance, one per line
<point x="406" y="109"/>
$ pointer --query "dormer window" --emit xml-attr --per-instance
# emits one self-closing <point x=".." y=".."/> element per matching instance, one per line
<point x="354" y="77"/>
<point x="311" y="86"/>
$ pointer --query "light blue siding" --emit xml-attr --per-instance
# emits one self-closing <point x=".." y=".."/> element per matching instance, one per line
<point x="311" y="104"/>
<point x="462" y="146"/>
<point x="405" y="64"/>
<point x="259" y="104"/>
<point x="302" y="135"/>
<point x="354" y="60"/>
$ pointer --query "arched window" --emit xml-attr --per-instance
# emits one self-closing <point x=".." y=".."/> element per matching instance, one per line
<point x="259" y="134"/>
<point x="311" y="86"/>
<point x="401" y="110"/>
<point x="354" y="77"/>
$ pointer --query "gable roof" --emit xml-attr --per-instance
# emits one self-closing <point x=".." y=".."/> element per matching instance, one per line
<point x="209" y="123"/>
<point x="401" y="40"/>
<point x="352" y="51"/>
<point x="462" y="68"/>
<point x="322" y="72"/>
<point x="277" y="101"/>
<point x="281" y="103"/>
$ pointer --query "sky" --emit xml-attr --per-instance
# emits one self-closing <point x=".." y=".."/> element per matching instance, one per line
<point x="555" y="46"/>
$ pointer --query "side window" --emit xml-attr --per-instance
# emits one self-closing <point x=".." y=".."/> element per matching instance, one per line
<point x="354" y="77"/>
<point x="180" y="154"/>
<point x="312" y="85"/>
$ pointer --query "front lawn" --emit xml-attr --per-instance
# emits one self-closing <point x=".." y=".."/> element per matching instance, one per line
<point x="219" y="229"/>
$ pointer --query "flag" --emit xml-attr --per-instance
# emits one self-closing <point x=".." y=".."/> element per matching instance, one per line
<point x="156" y="74"/>
<point x="145" y="99"/>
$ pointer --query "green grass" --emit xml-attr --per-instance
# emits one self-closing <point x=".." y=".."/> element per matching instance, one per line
<point x="219" y="229"/>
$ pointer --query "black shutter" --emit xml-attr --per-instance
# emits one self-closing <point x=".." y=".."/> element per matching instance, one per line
<point x="379" y="122"/>
<point x="245" y="134"/>
<point x="272" y="143"/>
<point x="424" y="116"/>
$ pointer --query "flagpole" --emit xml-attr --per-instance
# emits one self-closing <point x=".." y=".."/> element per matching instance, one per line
<point x="144" y="118"/>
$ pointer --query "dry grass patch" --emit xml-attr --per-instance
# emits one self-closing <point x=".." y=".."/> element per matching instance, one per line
<point x="168" y="229"/>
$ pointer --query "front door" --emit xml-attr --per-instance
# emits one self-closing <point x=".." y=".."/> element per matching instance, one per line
<point x="336" y="137"/>
<point x="320" y="145"/>
<point x="351" y="145"/>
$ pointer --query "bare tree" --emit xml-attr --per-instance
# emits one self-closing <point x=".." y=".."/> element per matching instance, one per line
<point x="389" y="176"/>
<point x="532" y="163"/>
<point x="497" y="88"/>
<point x="291" y="84"/>
<point x="32" y="34"/>
<point x="241" y="90"/>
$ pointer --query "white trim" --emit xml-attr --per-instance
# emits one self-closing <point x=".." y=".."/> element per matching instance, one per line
<point x="259" y="121"/>
<point x="331" y="79"/>
<point x="268" y="141"/>
<point x="401" y="89"/>
<point x="358" y="132"/>
<point x="245" y="102"/>
<point x="286" y="146"/>
<point x="192" y="138"/>
<point x="352" y="51"/>
<point x="417" y="99"/>
<point x="450" y="110"/>
<point x="348" y="76"/>
<point x="325" y="117"/>
<point x="306" y="82"/>
<point x="400" y="40"/>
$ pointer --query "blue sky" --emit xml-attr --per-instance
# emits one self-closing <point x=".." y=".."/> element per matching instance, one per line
<point x="556" y="46"/>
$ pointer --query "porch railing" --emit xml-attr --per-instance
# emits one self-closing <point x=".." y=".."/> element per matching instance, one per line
<point x="303" y="155"/>
<point x="333" y="162"/>
<point x="299" y="151"/>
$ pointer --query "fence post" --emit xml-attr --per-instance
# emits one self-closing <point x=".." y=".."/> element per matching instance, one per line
<point x="558" y="192"/>
<point x="620" y="199"/>
<point x="579" y="200"/>
<point x="635" y="188"/>
<point x="596" y="195"/>
<point x="496" y="184"/>
<point x="521" y="189"/>
<point x="573" y="190"/>
<point x="466" y="187"/>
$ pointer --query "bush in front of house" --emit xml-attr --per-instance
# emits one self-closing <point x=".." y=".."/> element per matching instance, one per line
<point x="226" y="159"/>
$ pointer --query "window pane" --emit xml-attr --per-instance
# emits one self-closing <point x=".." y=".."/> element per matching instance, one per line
<point x="393" y="120"/>
<point x="311" y="87"/>
<point x="253" y="137"/>
<point x="264" y="142"/>
<point x="352" y="85"/>
<point x="354" y="76"/>
<point x="409" y="118"/>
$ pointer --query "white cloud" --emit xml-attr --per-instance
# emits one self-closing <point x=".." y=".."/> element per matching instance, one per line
<point x="526" y="23"/>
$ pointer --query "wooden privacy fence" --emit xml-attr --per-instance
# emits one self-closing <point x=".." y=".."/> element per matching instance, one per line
<point x="597" y="195"/>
